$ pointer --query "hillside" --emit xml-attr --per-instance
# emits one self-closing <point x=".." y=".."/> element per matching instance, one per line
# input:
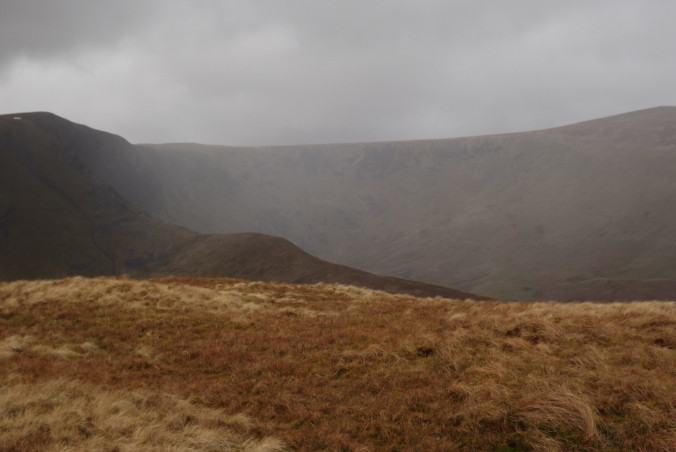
<point x="577" y="212"/>
<point x="574" y="213"/>
<point x="221" y="364"/>
<point x="59" y="218"/>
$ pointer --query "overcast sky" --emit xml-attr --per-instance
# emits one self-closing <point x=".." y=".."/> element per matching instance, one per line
<point x="288" y="71"/>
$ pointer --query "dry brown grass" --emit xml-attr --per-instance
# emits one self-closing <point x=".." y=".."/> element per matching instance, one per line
<point x="339" y="368"/>
<point x="65" y="416"/>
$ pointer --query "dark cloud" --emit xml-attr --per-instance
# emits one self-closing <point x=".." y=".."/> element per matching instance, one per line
<point x="43" y="28"/>
<point x="279" y="72"/>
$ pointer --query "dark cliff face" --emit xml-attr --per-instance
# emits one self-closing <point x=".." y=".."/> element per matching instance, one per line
<point x="60" y="219"/>
<point x="110" y="158"/>
<point x="65" y="209"/>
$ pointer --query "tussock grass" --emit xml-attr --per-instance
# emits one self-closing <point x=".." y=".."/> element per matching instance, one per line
<point x="327" y="367"/>
<point x="65" y="416"/>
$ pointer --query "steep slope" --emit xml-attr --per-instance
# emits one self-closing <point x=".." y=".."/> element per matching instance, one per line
<point x="576" y="212"/>
<point x="59" y="218"/>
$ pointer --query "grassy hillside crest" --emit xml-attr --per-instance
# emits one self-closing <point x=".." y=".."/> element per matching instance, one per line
<point x="222" y="364"/>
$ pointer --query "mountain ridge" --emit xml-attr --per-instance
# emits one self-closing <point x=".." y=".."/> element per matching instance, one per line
<point x="517" y="216"/>
<point x="59" y="218"/>
<point x="566" y="213"/>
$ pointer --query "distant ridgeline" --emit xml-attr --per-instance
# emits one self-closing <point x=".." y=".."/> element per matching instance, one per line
<point x="579" y="212"/>
<point x="68" y="206"/>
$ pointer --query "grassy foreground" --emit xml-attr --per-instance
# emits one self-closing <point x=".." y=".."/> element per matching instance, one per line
<point x="203" y="364"/>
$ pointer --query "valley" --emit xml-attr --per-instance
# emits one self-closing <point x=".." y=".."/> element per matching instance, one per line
<point x="60" y="218"/>
<point x="571" y="213"/>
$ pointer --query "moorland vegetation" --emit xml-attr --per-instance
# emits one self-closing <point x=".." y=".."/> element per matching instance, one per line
<point x="224" y="364"/>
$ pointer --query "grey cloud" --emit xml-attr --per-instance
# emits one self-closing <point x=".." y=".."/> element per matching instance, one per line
<point x="40" y="29"/>
<point x="282" y="72"/>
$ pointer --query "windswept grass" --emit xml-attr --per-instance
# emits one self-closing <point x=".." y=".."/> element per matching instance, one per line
<point x="65" y="416"/>
<point x="329" y="368"/>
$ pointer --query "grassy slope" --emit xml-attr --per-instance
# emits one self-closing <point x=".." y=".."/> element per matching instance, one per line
<point x="331" y="368"/>
<point x="563" y="213"/>
<point x="57" y="218"/>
